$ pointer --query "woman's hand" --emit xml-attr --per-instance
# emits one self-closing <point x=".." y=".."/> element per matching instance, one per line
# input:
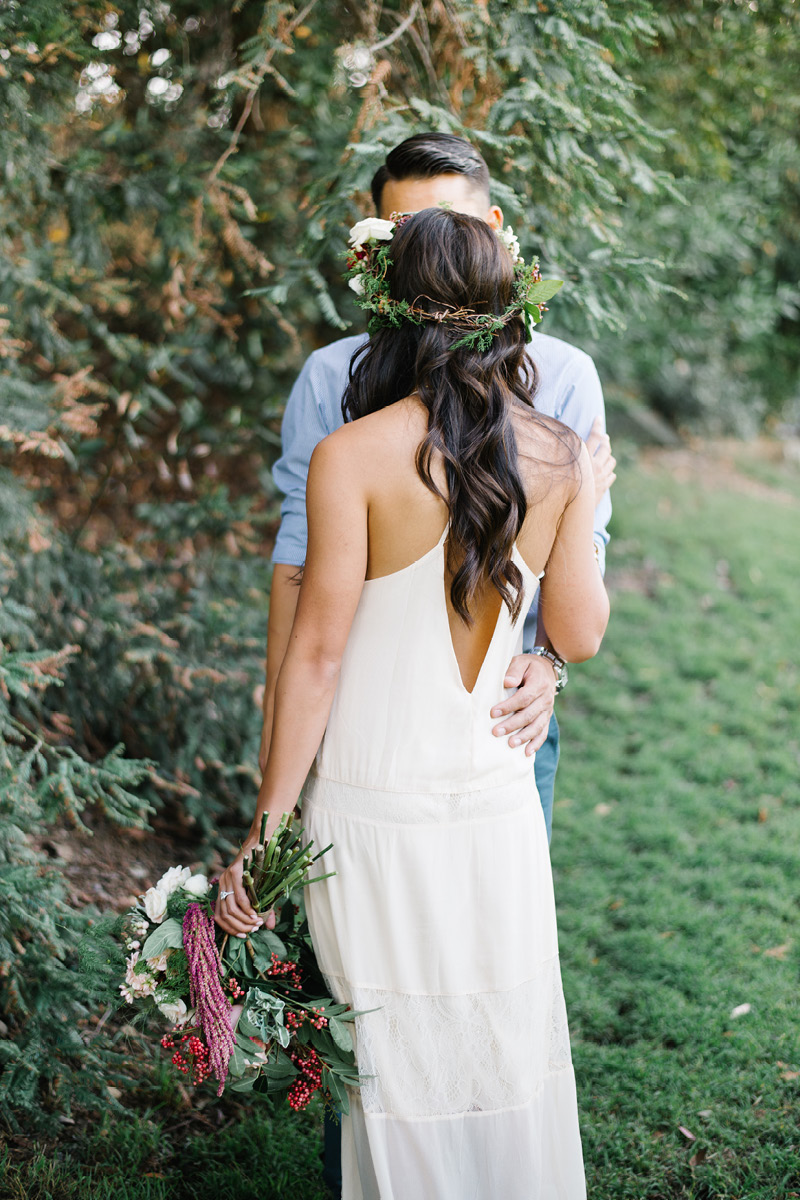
<point x="233" y="911"/>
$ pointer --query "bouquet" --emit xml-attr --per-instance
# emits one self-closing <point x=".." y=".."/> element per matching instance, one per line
<point x="251" y="1013"/>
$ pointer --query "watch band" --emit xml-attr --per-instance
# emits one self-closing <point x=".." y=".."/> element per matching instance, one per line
<point x="558" y="664"/>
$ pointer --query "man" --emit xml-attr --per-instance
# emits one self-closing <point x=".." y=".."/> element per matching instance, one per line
<point x="422" y="172"/>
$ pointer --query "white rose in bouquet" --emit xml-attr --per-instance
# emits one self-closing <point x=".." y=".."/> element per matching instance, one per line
<point x="155" y="904"/>
<point x="371" y="227"/>
<point x="196" y="885"/>
<point x="175" y="1011"/>
<point x="172" y="879"/>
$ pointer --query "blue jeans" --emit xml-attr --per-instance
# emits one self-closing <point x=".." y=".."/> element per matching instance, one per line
<point x="544" y="770"/>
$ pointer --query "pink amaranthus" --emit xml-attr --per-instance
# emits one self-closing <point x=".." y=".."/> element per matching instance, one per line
<point x="211" y="1005"/>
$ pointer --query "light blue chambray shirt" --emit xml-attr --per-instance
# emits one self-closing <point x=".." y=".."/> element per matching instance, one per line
<point x="569" y="389"/>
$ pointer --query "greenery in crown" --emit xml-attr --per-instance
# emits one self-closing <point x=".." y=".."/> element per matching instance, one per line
<point x="368" y="264"/>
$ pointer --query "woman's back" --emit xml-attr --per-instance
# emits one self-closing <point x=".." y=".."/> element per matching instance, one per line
<point x="417" y="682"/>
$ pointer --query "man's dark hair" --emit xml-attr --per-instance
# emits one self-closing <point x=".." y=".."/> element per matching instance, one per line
<point x="426" y="155"/>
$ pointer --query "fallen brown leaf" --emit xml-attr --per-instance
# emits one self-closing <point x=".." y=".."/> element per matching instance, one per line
<point x="778" y="951"/>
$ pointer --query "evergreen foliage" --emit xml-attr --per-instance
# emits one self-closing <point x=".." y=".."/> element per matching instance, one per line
<point x="43" y="1054"/>
<point x="727" y="355"/>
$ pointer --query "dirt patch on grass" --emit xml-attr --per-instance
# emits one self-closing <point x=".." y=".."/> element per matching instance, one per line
<point x="108" y="866"/>
<point x="766" y="468"/>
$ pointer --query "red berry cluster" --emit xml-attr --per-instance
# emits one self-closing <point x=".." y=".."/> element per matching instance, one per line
<point x="319" y="1021"/>
<point x="294" y="1020"/>
<point x="308" y="1081"/>
<point x="355" y="256"/>
<point x="191" y="1054"/>
<point x="233" y="986"/>
<point x="288" y="968"/>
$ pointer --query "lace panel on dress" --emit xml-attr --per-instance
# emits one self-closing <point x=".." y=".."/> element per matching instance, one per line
<point x="429" y="1056"/>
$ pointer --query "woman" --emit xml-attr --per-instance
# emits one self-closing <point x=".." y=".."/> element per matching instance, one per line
<point x="433" y="516"/>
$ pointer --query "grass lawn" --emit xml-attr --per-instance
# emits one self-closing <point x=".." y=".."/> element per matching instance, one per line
<point x="677" y="839"/>
<point x="676" y="842"/>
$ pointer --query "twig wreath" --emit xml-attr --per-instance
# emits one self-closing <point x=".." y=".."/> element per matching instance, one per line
<point x="368" y="263"/>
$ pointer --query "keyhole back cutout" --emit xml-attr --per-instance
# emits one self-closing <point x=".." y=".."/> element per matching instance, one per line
<point x="471" y="643"/>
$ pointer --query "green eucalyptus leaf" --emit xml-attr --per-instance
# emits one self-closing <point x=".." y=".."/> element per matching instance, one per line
<point x="247" y="1028"/>
<point x="236" y="955"/>
<point x="539" y="292"/>
<point x="244" y="1083"/>
<point x="279" y="1072"/>
<point x="340" y="1034"/>
<point x="338" y="1093"/>
<point x="265" y="943"/>
<point x="238" y="1062"/>
<point x="167" y="936"/>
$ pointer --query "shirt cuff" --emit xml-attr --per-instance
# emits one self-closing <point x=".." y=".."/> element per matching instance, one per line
<point x="288" y="551"/>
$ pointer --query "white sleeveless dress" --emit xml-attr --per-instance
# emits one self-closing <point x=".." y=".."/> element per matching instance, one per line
<point x="440" y="917"/>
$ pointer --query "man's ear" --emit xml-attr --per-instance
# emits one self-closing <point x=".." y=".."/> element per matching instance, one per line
<point x="494" y="217"/>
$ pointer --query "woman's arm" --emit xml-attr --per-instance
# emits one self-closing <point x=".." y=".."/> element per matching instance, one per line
<point x="333" y="578"/>
<point x="574" y="602"/>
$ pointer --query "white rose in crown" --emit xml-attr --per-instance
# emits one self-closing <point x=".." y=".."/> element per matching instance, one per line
<point x="510" y="241"/>
<point x="155" y="904"/>
<point x="172" y="879"/>
<point x="196" y="885"/>
<point x="370" y="227"/>
<point x="357" y="284"/>
<point x="174" y="1010"/>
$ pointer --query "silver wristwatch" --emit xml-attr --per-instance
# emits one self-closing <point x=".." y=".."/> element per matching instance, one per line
<point x="558" y="664"/>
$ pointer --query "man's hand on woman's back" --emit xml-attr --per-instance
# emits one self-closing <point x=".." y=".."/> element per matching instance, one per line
<point x="603" y="461"/>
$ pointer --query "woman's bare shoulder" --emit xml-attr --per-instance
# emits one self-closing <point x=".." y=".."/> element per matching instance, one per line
<point x="374" y="440"/>
<point x="381" y="429"/>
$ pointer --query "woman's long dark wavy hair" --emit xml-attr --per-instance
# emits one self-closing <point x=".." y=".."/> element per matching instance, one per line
<point x="439" y="256"/>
